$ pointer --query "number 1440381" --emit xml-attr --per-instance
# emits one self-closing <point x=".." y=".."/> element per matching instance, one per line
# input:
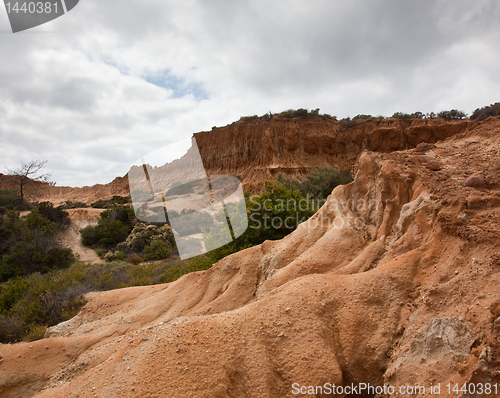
<point x="473" y="388"/>
<point x="32" y="7"/>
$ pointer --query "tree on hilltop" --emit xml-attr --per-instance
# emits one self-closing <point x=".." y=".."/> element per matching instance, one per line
<point x="29" y="172"/>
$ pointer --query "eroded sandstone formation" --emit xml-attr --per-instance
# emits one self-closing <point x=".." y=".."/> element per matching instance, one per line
<point x="394" y="281"/>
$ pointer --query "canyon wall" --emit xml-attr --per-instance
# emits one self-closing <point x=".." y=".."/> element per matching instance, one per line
<point x="258" y="150"/>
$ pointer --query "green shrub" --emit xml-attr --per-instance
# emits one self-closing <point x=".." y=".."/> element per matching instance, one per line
<point x="486" y="111"/>
<point x="453" y="114"/>
<point x="143" y="234"/>
<point x="248" y="118"/>
<point x="111" y="203"/>
<point x="89" y="236"/>
<point x="402" y="115"/>
<point x="114" y="256"/>
<point x="8" y="199"/>
<point x="53" y="214"/>
<point x="362" y="117"/>
<point x="319" y="183"/>
<point x="74" y="205"/>
<point x="28" y="246"/>
<point x="36" y="221"/>
<point x="35" y="332"/>
<point x="188" y="187"/>
<point x="114" y="227"/>
<point x="288" y="114"/>
<point x="157" y="250"/>
<point x="111" y="232"/>
<point x="192" y="222"/>
<point x="58" y="258"/>
<point x="30" y="304"/>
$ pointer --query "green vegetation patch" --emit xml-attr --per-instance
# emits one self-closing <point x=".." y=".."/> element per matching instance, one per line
<point x="29" y="246"/>
<point x="30" y="304"/>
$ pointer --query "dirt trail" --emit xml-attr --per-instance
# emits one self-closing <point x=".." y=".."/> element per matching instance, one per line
<point x="71" y="238"/>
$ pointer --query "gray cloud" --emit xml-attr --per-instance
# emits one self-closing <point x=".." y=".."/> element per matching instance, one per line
<point x="94" y="90"/>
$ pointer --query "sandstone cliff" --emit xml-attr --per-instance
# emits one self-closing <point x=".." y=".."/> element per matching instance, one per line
<point x="59" y="195"/>
<point x="395" y="280"/>
<point x="258" y="150"/>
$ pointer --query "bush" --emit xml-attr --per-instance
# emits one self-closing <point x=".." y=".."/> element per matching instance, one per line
<point x="11" y="201"/>
<point x="301" y="112"/>
<point x="319" y="183"/>
<point x="74" y="205"/>
<point x="114" y="256"/>
<point x="8" y="199"/>
<point x="35" y="332"/>
<point x="135" y="259"/>
<point x="111" y="203"/>
<point x="31" y="303"/>
<point x="28" y="246"/>
<point x="270" y="217"/>
<point x="402" y="115"/>
<point x="114" y="227"/>
<point x="486" y="111"/>
<point x="58" y="258"/>
<point x="157" y="250"/>
<point x="53" y="214"/>
<point x="453" y="114"/>
<point x="143" y="234"/>
<point x="288" y="114"/>
<point x="89" y="235"/>
<point x="111" y="232"/>
<point x="35" y="221"/>
<point x="248" y="118"/>
<point x="362" y="117"/>
<point x="192" y="222"/>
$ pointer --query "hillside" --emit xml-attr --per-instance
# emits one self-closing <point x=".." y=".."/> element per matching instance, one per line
<point x="258" y="150"/>
<point x="394" y="281"/>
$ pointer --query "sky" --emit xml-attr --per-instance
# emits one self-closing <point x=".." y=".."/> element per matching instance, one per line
<point x="111" y="81"/>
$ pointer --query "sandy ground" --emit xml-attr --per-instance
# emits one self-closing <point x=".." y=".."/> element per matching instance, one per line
<point x="71" y="238"/>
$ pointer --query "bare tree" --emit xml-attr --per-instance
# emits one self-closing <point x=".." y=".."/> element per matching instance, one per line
<point x="29" y="172"/>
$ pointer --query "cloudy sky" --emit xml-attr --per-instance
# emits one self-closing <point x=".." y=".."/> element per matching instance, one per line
<point x="113" y="80"/>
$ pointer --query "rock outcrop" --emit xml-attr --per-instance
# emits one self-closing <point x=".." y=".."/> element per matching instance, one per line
<point x="394" y="281"/>
<point x="257" y="150"/>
